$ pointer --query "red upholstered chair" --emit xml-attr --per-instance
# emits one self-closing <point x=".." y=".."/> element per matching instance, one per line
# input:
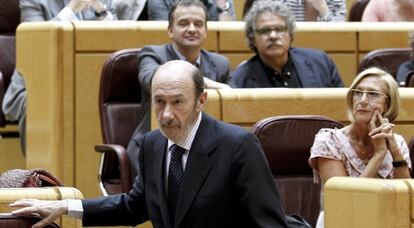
<point x="357" y="10"/>
<point x="409" y="80"/>
<point x="388" y="59"/>
<point x="286" y="142"/>
<point x="119" y="108"/>
<point x="9" y="20"/>
<point x="247" y="5"/>
<point x="411" y="148"/>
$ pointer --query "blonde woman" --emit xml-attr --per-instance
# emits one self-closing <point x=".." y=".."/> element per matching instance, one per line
<point x="368" y="147"/>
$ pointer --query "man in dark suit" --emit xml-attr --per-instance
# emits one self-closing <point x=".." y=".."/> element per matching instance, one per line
<point x="219" y="179"/>
<point x="187" y="28"/>
<point x="269" y="30"/>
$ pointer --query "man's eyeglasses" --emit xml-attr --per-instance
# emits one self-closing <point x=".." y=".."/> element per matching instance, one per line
<point x="268" y="30"/>
<point x="371" y="94"/>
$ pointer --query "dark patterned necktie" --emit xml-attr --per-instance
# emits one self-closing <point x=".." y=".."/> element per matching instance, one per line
<point x="175" y="178"/>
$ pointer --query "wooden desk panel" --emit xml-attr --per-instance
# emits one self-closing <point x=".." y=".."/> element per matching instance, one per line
<point x="346" y="64"/>
<point x="246" y="106"/>
<point x="94" y="36"/>
<point x="329" y="41"/>
<point x="367" y="202"/>
<point x="88" y="130"/>
<point x="237" y="58"/>
<point x="45" y="56"/>
<point x="383" y="35"/>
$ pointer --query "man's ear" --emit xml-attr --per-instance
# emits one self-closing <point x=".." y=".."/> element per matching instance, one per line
<point x="202" y="99"/>
<point x="169" y="30"/>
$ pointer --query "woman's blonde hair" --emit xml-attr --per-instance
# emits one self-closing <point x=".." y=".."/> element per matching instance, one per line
<point x="391" y="90"/>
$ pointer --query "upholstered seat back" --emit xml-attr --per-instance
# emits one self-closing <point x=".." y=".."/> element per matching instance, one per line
<point x="120" y="97"/>
<point x="357" y="10"/>
<point x="120" y="113"/>
<point x="409" y="79"/>
<point x="286" y="142"/>
<point x="9" y="20"/>
<point x="388" y="59"/>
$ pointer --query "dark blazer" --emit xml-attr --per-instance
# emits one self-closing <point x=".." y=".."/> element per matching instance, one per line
<point x="213" y="66"/>
<point x="403" y="70"/>
<point x="313" y="67"/>
<point x="227" y="183"/>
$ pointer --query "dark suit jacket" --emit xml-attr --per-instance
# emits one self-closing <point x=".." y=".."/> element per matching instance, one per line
<point x="227" y="183"/>
<point x="213" y="66"/>
<point x="313" y="67"/>
<point x="403" y="70"/>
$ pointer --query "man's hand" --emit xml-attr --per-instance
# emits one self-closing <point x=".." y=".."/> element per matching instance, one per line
<point x="48" y="210"/>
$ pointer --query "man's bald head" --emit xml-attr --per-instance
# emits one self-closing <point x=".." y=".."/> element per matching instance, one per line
<point x="180" y="70"/>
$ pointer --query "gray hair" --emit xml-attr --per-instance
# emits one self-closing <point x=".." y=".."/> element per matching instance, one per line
<point x="264" y="6"/>
<point x="198" y="80"/>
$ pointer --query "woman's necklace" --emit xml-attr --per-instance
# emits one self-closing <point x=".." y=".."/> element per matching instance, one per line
<point x="361" y="150"/>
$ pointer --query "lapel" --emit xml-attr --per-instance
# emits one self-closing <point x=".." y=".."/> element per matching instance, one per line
<point x="207" y="66"/>
<point x="56" y="6"/>
<point x="259" y="77"/>
<point x="159" y="150"/>
<point x="198" y="166"/>
<point x="304" y="69"/>
<point x="171" y="55"/>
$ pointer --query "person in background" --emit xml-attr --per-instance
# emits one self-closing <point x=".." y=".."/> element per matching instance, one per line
<point x="187" y="28"/>
<point x="64" y="10"/>
<point x="313" y="10"/>
<point x="407" y="66"/>
<point x="389" y="10"/>
<point x="218" y="10"/>
<point x="130" y="9"/>
<point x="368" y="147"/>
<point x="14" y="101"/>
<point x="195" y="172"/>
<point x="270" y="30"/>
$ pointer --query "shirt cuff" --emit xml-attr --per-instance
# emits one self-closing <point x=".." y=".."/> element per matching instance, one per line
<point x="75" y="208"/>
<point x="66" y="14"/>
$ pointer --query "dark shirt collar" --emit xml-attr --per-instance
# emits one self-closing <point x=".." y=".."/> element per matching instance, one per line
<point x="286" y="78"/>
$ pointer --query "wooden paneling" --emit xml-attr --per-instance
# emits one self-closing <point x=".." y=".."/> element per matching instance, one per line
<point x="331" y="38"/>
<point x="368" y="202"/>
<point x="347" y="66"/>
<point x="247" y="106"/>
<point x="48" y="70"/>
<point x="88" y="130"/>
<point x="115" y="35"/>
<point x="237" y="58"/>
<point x="11" y="156"/>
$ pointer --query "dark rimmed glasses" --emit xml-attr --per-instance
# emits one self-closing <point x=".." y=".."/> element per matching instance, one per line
<point x="266" y="31"/>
